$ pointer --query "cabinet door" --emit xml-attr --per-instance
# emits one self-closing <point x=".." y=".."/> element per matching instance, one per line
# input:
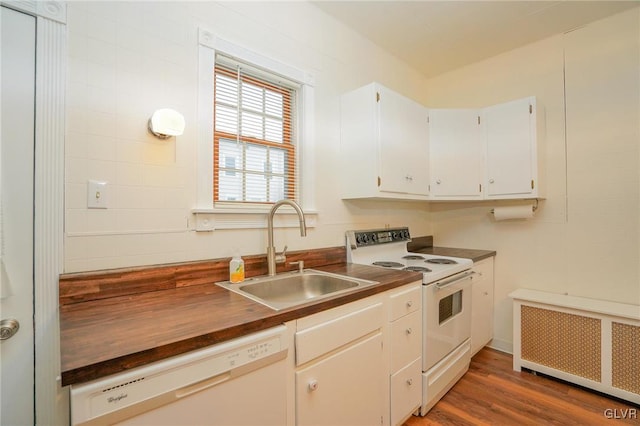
<point x="345" y="388"/>
<point x="510" y="130"/>
<point x="482" y="305"/>
<point x="406" y="340"/>
<point x="406" y="391"/>
<point x="456" y="153"/>
<point x="404" y="151"/>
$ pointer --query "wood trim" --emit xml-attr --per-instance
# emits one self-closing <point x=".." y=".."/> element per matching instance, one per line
<point x="87" y="286"/>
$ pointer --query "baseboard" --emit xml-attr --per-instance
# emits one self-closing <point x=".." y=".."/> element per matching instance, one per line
<point x="501" y="345"/>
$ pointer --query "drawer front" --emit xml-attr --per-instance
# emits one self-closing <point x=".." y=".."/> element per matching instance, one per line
<point x="406" y="392"/>
<point x="406" y="301"/>
<point x="406" y="340"/>
<point x="330" y="335"/>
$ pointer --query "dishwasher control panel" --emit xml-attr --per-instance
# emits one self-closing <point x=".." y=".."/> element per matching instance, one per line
<point x="178" y="376"/>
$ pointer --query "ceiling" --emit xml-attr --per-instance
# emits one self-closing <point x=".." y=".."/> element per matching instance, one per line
<point x="437" y="36"/>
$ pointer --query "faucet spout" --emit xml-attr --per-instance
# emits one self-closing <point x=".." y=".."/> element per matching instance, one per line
<point x="271" y="250"/>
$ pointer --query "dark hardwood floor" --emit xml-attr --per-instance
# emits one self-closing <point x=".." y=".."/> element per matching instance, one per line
<point x="491" y="393"/>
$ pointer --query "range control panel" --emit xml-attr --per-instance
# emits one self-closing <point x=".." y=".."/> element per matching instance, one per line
<point x="377" y="236"/>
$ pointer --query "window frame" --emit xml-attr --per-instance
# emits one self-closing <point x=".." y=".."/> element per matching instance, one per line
<point x="288" y="144"/>
<point x="210" y="216"/>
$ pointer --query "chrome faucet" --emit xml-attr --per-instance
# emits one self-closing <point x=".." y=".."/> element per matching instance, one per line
<point x="272" y="256"/>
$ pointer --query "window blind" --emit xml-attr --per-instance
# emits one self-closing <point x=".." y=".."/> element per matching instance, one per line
<point x="254" y="135"/>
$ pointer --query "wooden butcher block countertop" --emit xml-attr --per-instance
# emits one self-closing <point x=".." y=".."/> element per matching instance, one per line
<point x="111" y="321"/>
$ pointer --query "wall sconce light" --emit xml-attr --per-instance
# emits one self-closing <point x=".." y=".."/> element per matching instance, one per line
<point x="165" y="123"/>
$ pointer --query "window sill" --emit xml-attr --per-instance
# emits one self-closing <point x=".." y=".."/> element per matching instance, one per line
<point x="249" y="218"/>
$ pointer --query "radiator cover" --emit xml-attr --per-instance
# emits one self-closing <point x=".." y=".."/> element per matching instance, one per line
<point x="588" y="342"/>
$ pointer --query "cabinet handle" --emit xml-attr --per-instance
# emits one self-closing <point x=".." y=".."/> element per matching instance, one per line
<point x="409" y="382"/>
<point x="491" y="180"/>
<point x="409" y="177"/>
<point x="313" y="385"/>
<point x="409" y="330"/>
<point x="409" y="303"/>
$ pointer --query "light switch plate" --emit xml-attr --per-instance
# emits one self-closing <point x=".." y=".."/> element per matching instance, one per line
<point x="97" y="194"/>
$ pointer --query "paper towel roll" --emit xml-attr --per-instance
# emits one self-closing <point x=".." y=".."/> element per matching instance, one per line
<point x="513" y="212"/>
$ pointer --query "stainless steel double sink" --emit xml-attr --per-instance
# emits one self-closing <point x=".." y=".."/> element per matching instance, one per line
<point x="290" y="289"/>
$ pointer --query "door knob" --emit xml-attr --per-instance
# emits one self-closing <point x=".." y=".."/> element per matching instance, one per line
<point x="8" y="327"/>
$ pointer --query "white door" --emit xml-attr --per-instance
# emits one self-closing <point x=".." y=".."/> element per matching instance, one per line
<point x="16" y="215"/>
<point x="510" y="132"/>
<point x="345" y="388"/>
<point x="404" y="151"/>
<point x="455" y="150"/>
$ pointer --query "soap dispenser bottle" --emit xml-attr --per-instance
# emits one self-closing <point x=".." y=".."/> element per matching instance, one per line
<point x="236" y="269"/>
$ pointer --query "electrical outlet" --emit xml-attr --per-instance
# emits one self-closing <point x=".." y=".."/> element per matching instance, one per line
<point x="97" y="194"/>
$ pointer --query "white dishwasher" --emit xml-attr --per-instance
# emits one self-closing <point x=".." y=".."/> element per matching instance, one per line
<point x="239" y="382"/>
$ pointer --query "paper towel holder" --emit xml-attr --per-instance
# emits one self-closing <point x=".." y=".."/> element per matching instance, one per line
<point x="534" y="207"/>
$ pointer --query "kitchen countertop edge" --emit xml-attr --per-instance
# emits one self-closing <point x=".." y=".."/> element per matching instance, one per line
<point x="262" y="318"/>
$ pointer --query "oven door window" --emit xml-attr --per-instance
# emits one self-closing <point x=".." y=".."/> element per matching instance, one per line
<point x="450" y="306"/>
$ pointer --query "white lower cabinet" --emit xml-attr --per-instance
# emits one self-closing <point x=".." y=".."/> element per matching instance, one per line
<point x="361" y="363"/>
<point x="405" y="338"/>
<point x="482" y="305"/>
<point x="406" y="392"/>
<point x="341" y="389"/>
<point x="341" y="373"/>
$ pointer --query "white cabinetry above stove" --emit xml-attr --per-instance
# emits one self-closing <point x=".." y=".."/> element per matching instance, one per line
<point x="384" y="145"/>
<point x="456" y="154"/>
<point x="486" y="153"/>
<point x="512" y="150"/>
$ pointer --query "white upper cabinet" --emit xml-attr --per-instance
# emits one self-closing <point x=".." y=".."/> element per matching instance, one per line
<point x="511" y="150"/>
<point x="456" y="154"/>
<point x="384" y="145"/>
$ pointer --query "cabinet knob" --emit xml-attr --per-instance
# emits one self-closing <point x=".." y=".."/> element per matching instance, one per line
<point x="409" y="382"/>
<point x="486" y="293"/>
<point x="438" y="181"/>
<point x="313" y="385"/>
<point x="409" y="330"/>
<point x="491" y="180"/>
<point x="409" y="303"/>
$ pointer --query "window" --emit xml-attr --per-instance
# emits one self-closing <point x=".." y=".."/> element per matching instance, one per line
<point x="256" y="139"/>
<point x="254" y="135"/>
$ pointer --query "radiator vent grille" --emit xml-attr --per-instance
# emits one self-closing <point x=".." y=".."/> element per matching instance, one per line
<point x="625" y="352"/>
<point x="566" y="342"/>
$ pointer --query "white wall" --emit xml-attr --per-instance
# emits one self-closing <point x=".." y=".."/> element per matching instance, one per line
<point x="127" y="59"/>
<point x="584" y="240"/>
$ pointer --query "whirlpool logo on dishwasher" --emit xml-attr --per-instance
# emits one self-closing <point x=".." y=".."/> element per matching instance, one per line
<point x="116" y="399"/>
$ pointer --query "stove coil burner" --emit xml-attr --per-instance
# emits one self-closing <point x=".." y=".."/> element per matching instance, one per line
<point x="417" y="269"/>
<point x="441" y="261"/>
<point x="413" y="257"/>
<point x="388" y="264"/>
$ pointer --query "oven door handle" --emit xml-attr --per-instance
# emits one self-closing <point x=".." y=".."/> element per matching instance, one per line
<point x="444" y="284"/>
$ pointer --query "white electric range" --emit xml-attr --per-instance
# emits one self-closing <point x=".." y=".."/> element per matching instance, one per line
<point x="446" y="303"/>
